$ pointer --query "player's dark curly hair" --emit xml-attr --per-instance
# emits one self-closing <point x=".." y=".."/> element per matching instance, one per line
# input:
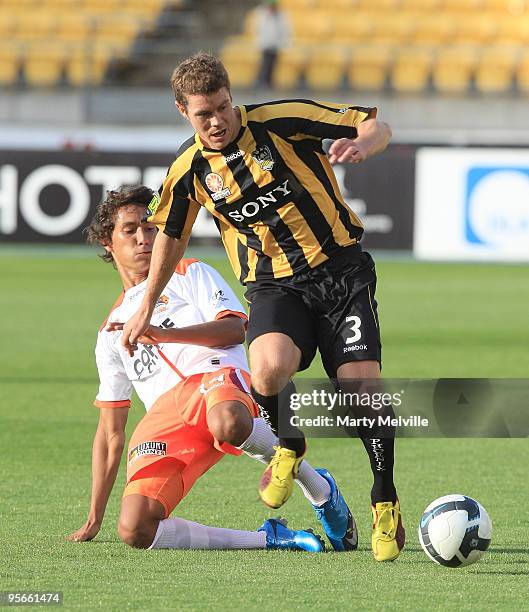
<point x="102" y="225"/>
<point x="201" y="73"/>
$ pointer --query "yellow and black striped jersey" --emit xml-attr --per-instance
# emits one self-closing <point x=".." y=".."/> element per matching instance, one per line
<point x="272" y="191"/>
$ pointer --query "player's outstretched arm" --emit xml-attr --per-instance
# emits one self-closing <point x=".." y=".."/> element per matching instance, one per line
<point x="109" y="441"/>
<point x="373" y="137"/>
<point x="166" y="253"/>
<point x="223" y="332"/>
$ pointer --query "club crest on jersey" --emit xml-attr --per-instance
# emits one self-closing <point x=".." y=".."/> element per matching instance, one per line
<point x="215" y="183"/>
<point x="218" y="297"/>
<point x="147" y="448"/>
<point x="263" y="156"/>
<point x="161" y="304"/>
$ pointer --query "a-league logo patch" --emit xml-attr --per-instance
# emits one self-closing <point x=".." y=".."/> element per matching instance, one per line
<point x="215" y="183"/>
<point x="263" y="156"/>
<point x="147" y="448"/>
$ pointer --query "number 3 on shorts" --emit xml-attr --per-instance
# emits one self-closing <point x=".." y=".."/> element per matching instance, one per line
<point x="355" y="328"/>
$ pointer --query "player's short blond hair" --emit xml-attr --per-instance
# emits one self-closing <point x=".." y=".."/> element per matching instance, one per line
<point x="202" y="73"/>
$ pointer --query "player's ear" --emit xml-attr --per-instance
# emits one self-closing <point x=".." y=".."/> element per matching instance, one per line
<point x="182" y="109"/>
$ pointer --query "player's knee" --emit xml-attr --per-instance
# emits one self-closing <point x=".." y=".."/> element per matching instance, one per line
<point x="270" y="376"/>
<point x="134" y="533"/>
<point x="230" y="422"/>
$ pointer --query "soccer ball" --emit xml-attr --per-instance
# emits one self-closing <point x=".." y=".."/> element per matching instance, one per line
<point x="455" y="530"/>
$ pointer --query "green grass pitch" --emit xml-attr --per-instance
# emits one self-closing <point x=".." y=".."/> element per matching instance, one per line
<point x="437" y="320"/>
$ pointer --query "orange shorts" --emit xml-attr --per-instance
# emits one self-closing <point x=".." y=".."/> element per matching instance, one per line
<point x="172" y="446"/>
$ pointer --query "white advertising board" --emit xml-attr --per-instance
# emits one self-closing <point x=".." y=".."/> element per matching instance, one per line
<point x="472" y="204"/>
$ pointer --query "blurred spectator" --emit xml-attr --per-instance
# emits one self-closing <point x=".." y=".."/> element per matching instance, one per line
<point x="273" y="34"/>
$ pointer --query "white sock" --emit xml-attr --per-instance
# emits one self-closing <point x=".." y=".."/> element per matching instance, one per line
<point x="260" y="445"/>
<point x="179" y="533"/>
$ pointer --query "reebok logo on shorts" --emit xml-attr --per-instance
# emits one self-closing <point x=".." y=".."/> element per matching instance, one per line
<point x="147" y="448"/>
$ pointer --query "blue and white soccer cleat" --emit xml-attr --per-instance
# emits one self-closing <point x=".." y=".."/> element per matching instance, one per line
<point x="336" y="518"/>
<point x="279" y="537"/>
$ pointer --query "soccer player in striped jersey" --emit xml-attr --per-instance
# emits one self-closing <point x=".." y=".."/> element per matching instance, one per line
<point x="263" y="174"/>
<point x="190" y="371"/>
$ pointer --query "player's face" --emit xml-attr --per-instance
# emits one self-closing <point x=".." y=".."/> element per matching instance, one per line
<point x="132" y="240"/>
<point x="213" y="118"/>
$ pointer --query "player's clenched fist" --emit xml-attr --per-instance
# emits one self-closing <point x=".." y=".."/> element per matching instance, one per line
<point x="135" y="327"/>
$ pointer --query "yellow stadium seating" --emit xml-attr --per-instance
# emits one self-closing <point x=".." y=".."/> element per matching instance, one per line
<point x="9" y="63"/>
<point x="44" y="63"/>
<point x="88" y="66"/>
<point x="423" y="6"/>
<point x="73" y="27"/>
<point x="460" y="6"/>
<point x="326" y="68"/>
<point x="369" y="65"/>
<point x="433" y="30"/>
<point x="393" y="28"/>
<point x="522" y="73"/>
<point x="453" y="69"/>
<point x="242" y="62"/>
<point x="513" y="30"/>
<point x="379" y="6"/>
<point x="411" y="70"/>
<point x="474" y="29"/>
<point x="35" y="25"/>
<point x="353" y="29"/>
<point x="496" y="69"/>
<point x="290" y="68"/>
<point x="312" y="26"/>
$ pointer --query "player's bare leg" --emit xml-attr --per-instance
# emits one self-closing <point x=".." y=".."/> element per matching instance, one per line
<point x="139" y="520"/>
<point x="274" y="358"/>
<point x="388" y="534"/>
<point x="142" y="525"/>
<point x="230" y="422"/>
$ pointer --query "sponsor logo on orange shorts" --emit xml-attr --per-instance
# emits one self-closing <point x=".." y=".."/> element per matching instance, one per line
<point x="147" y="448"/>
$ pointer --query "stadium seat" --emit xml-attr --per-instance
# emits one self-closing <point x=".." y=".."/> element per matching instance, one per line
<point x="411" y="70"/>
<point x="326" y="68"/>
<point x="515" y="7"/>
<point x="75" y="26"/>
<point x="85" y="67"/>
<point x="453" y="69"/>
<point x="379" y="6"/>
<point x="474" y="29"/>
<point x="35" y="25"/>
<point x="512" y="30"/>
<point x="242" y="62"/>
<point x="369" y="67"/>
<point x="393" y="28"/>
<point x="522" y="73"/>
<point x="433" y="29"/>
<point x="44" y="64"/>
<point x="9" y="63"/>
<point x="353" y="28"/>
<point x="312" y="26"/>
<point x="423" y="6"/>
<point x="7" y="24"/>
<point x="460" y="6"/>
<point x="496" y="69"/>
<point x="290" y="68"/>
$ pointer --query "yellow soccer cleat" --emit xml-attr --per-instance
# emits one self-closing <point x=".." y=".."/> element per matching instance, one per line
<point x="278" y="478"/>
<point x="388" y="537"/>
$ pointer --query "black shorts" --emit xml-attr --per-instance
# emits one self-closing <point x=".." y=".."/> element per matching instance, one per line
<point x="331" y="307"/>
